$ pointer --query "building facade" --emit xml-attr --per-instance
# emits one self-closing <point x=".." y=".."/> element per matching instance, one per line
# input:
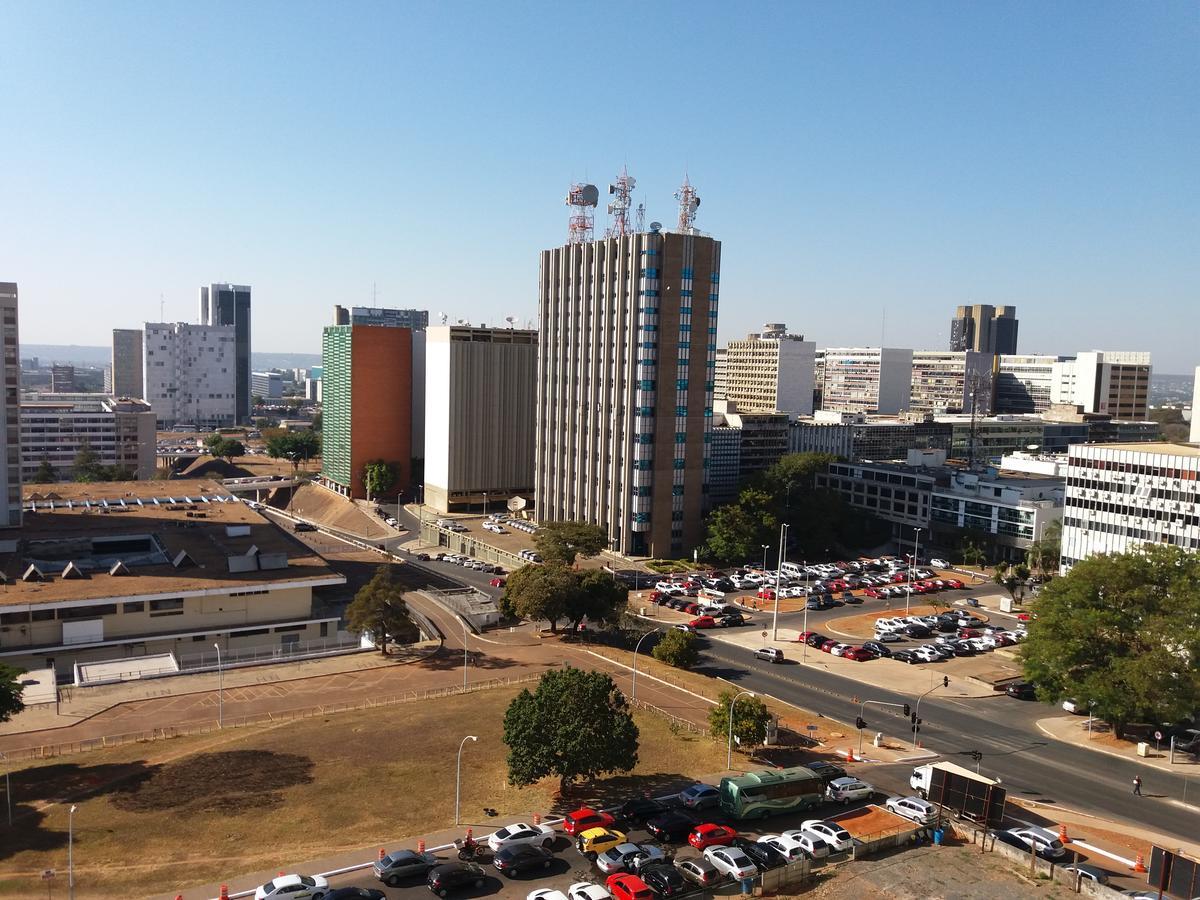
<point x="985" y="329"/>
<point x="1195" y="435"/>
<point x="191" y="373"/>
<point x="120" y="432"/>
<point x="127" y="361"/>
<point x="480" y="390"/>
<point x="367" y="405"/>
<point x="1123" y="496"/>
<point x="853" y="437"/>
<point x="952" y="381"/>
<point x="413" y="319"/>
<point x="771" y="371"/>
<point x="62" y="379"/>
<point x="867" y="379"/>
<point x="1115" y="383"/>
<point x="721" y="376"/>
<point x="229" y="304"/>
<point x="725" y="464"/>
<point x="1024" y="383"/>
<point x="626" y="362"/>
<point x="10" y="437"/>
<point x="267" y="385"/>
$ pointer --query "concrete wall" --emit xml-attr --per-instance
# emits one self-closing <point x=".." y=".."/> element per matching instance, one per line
<point x="381" y="403"/>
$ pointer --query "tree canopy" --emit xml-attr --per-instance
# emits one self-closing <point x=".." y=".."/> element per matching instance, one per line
<point x="223" y="447"/>
<point x="10" y="692"/>
<point x="564" y="541"/>
<point x="45" y="473"/>
<point x="379" y="608"/>
<point x="294" y="446"/>
<point x="378" y="477"/>
<point x="1042" y="555"/>
<point x="1013" y="578"/>
<point x="750" y="719"/>
<point x="575" y="724"/>
<point x="677" y="648"/>
<point x="554" y="592"/>
<point x="1122" y="631"/>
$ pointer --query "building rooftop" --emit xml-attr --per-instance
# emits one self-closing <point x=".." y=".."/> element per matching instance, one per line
<point x="129" y="539"/>
<point x="1152" y="447"/>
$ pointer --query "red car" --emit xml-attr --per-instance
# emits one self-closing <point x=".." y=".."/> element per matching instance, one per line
<point x="828" y="646"/>
<point x="968" y="632"/>
<point x="804" y="636"/>
<point x="953" y="584"/>
<point x="858" y="654"/>
<point x="836" y="585"/>
<point x="1024" y="617"/>
<point x="497" y="582"/>
<point x="766" y="593"/>
<point x="624" y="886"/>
<point x="873" y="592"/>
<point x="709" y="835"/>
<point x="658" y="597"/>
<point x="703" y="622"/>
<point x="899" y="578"/>
<point x="692" y="609"/>
<point x="584" y="818"/>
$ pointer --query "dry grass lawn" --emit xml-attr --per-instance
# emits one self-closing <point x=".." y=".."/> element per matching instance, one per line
<point x="209" y="806"/>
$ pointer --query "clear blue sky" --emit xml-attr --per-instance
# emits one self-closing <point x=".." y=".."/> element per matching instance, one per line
<point x="860" y="161"/>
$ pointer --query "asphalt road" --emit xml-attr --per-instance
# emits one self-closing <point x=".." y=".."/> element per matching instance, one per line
<point x="1029" y="764"/>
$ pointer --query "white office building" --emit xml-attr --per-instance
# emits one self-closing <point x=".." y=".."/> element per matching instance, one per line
<point x="266" y="385"/>
<point x="867" y="379"/>
<point x="1195" y="435"/>
<point x="191" y="373"/>
<point x="120" y="432"/>
<point x="1024" y="382"/>
<point x="1116" y="383"/>
<point x="1121" y="496"/>
<point x="771" y="371"/>
<point x="952" y="381"/>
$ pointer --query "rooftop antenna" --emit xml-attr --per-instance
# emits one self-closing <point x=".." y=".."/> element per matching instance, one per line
<point x="510" y="320"/>
<point x="621" y="190"/>
<point x="640" y="221"/>
<point x="162" y="308"/>
<point x="443" y="317"/>
<point x="374" y="294"/>
<point x="582" y="198"/>
<point x="689" y="201"/>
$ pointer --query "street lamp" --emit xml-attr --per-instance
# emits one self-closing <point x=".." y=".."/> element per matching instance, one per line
<point x="464" y="621"/>
<point x="458" y="775"/>
<point x="220" y="688"/>
<point x="804" y="648"/>
<point x="764" y="549"/>
<point x="916" y="713"/>
<point x="911" y="563"/>
<point x="633" y="692"/>
<point x="729" y="749"/>
<point x="71" y="851"/>
<point x="783" y="530"/>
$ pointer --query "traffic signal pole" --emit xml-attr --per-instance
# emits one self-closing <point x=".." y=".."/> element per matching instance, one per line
<point x="860" y="723"/>
<point x="916" y="713"/>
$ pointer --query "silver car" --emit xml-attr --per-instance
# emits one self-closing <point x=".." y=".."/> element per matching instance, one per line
<point x="628" y="857"/>
<point x="403" y="864"/>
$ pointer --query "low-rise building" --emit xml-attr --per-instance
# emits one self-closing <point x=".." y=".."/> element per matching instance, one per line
<point x="120" y="432"/>
<point x="950" y="381"/>
<point x="266" y="385"/>
<point x="855" y="436"/>
<point x="743" y="444"/>
<point x="121" y="570"/>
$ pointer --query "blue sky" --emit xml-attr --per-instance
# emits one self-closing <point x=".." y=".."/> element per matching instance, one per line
<point x="867" y="166"/>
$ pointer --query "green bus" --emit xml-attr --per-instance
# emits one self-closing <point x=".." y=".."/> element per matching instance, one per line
<point x="770" y="792"/>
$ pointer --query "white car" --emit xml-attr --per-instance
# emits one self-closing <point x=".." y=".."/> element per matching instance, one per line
<point x="846" y="789"/>
<point x="521" y="833"/>
<point x="294" y="887"/>
<point x="939" y="563"/>
<point x="837" y="837"/>
<point x="1046" y="842"/>
<point x="700" y="796"/>
<point x="731" y="861"/>
<point x="789" y="847"/>
<point x="813" y="846"/>
<point x="546" y="894"/>
<point x="838" y="649"/>
<point x="585" y="890"/>
<point x="888" y="636"/>
<point x="627" y="856"/>
<point x="920" y="811"/>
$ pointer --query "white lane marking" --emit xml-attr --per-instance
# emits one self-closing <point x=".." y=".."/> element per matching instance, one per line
<point x="1095" y="849"/>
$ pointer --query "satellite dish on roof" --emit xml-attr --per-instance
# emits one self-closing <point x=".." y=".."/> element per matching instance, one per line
<point x="516" y="504"/>
<point x="655" y="227"/>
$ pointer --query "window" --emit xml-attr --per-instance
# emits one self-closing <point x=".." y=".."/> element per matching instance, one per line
<point x="135" y="607"/>
<point x="172" y="607"/>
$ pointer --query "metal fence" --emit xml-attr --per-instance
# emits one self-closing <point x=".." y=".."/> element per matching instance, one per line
<point x="326" y="646"/>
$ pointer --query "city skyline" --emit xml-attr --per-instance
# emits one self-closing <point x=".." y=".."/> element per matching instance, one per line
<point x="867" y="170"/>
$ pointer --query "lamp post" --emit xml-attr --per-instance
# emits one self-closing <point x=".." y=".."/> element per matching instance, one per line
<point x="464" y="621"/>
<point x="804" y="646"/>
<point x="916" y="713"/>
<point x="220" y="688"/>
<point x="911" y="563"/>
<point x="729" y="749"/>
<point x="633" y="691"/>
<point x="7" y="787"/>
<point x="783" y="530"/>
<point x="458" y="775"/>
<point x="71" y="851"/>
<point x="764" y="550"/>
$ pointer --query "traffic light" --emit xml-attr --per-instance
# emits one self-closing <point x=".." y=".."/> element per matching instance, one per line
<point x="860" y="723"/>
<point x="912" y="717"/>
<point x="945" y="681"/>
<point x="976" y="755"/>
<point x="907" y="710"/>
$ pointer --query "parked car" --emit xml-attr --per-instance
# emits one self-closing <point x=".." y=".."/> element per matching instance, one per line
<point x="877" y="647"/>
<point x="663" y="878"/>
<point x="582" y="819"/>
<point x="770" y="654"/>
<point x="673" y="825"/>
<point x="624" y="886"/>
<point x="638" y="809"/>
<point x="626" y="857"/>
<point x="789" y="848"/>
<point x="812" y="845"/>
<point x="939" y="563"/>
<point x="700" y="796"/>
<point x="710" y="835"/>
<point x="585" y="890"/>
<point x="1089" y="872"/>
<point x="521" y="833"/>
<point x="731" y="861"/>
<point x="698" y="870"/>
<point x="293" y="887"/>
<point x="594" y="841"/>
<point x="1044" y="841"/>
<point x="400" y="865"/>
<point x="859" y="654"/>
<point x="762" y="855"/>
<point x="844" y="790"/>
<point x="356" y="893"/>
<point x="455" y="875"/>
<point x="512" y="860"/>
<point x="920" y="811"/>
<point x="833" y="834"/>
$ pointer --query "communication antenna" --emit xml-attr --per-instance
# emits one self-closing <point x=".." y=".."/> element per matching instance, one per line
<point x="640" y="221"/>
<point x="443" y="317"/>
<point x="689" y="202"/>
<point x="510" y="320"/>
<point x="621" y="190"/>
<point x="162" y="308"/>
<point x="582" y="198"/>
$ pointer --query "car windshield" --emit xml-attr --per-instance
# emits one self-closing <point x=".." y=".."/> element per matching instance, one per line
<point x="307" y="881"/>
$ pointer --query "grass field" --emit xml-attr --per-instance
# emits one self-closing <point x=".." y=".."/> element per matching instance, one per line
<point x="212" y="806"/>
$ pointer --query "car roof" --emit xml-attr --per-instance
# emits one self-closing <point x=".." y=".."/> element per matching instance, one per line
<point x="598" y="831"/>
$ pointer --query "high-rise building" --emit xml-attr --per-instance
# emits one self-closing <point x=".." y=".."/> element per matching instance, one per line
<point x="985" y="328"/>
<point x="1023" y="383"/>
<point x="191" y="373"/>
<point x="62" y="379"/>
<point x="480" y="401"/>
<point x="416" y="319"/>
<point x="867" y="379"/>
<point x="1116" y="383"/>
<point x="127" y="363"/>
<point x="120" y="432"/>
<point x="1195" y="435"/>
<point x="267" y="385"/>
<point x="626" y="361"/>
<point x="742" y="445"/>
<point x="229" y="304"/>
<point x="771" y="371"/>
<point x="721" y="375"/>
<point x="367" y="409"/>
<point x="1123" y="496"/>
<point x="10" y="439"/>
<point x="952" y="381"/>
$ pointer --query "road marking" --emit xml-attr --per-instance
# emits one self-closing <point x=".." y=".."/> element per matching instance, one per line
<point x="1095" y="849"/>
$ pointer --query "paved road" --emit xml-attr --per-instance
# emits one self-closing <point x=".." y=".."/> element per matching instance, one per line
<point x="1029" y="764"/>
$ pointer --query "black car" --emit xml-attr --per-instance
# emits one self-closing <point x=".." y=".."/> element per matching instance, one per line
<point x="962" y="648"/>
<point x="877" y="648"/>
<point x="356" y="893"/>
<point x="732" y="620"/>
<point x="454" y="876"/>
<point x="423" y="557"/>
<point x="906" y="656"/>
<point x="1022" y="690"/>
<point x="511" y="861"/>
<point x="762" y="855"/>
<point x="673" y="825"/>
<point x="815" y="640"/>
<point x="827" y="770"/>
<point x="639" y="809"/>
<point x="663" y="878"/>
<point x="917" y="631"/>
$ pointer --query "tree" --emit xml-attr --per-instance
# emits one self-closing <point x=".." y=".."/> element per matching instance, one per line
<point x="10" y="692"/>
<point x="564" y="541"/>
<point x="224" y="447"/>
<point x="87" y="464"/>
<point x="294" y="446"/>
<point x="1122" y="631"/>
<point x="1013" y="579"/>
<point x="379" y="608"/>
<point x="1043" y="555"/>
<point x="972" y="554"/>
<point x="737" y="531"/>
<point x="378" y="477"/>
<point x="677" y="648"/>
<point x="539" y="592"/>
<point x="576" y="724"/>
<point x="597" y="597"/>
<point x="45" y="473"/>
<point x="750" y="719"/>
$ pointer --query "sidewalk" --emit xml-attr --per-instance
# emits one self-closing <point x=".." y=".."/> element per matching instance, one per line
<point x="1074" y="730"/>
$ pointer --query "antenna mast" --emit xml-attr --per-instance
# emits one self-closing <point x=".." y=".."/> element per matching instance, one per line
<point x="689" y="201"/>
<point x="582" y="198"/>
<point x="640" y="220"/>
<point x="621" y="191"/>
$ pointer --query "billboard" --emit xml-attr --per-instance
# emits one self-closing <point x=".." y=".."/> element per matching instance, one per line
<point x="1175" y="875"/>
<point x="977" y="800"/>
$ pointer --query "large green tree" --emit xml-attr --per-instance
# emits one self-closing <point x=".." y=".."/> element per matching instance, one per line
<point x="223" y="447"/>
<point x="737" y="531"/>
<point x="378" y="477"/>
<point x="750" y="719"/>
<point x="295" y="446"/>
<point x="1122" y="631"/>
<point x="45" y="473"/>
<point x="539" y="592"/>
<point x="564" y="541"/>
<point x="596" y="597"/>
<point x="379" y="608"/>
<point x="87" y="464"/>
<point x="575" y="724"/>
<point x="10" y="692"/>
<point x="677" y="648"/>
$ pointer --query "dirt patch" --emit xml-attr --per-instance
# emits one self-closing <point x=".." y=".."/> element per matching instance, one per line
<point x="230" y="782"/>
<point x="319" y="505"/>
<point x="871" y="820"/>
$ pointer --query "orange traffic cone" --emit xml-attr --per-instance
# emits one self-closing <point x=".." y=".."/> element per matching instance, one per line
<point x="537" y="818"/>
<point x="224" y="892"/>
<point x="420" y="846"/>
<point x="1139" y="864"/>
<point x="1062" y="834"/>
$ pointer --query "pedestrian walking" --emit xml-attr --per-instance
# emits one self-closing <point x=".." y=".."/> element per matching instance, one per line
<point x="1137" y="785"/>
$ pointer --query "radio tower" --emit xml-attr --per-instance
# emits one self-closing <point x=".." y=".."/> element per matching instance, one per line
<point x="689" y="200"/>
<point x="621" y="191"/>
<point x="582" y="198"/>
